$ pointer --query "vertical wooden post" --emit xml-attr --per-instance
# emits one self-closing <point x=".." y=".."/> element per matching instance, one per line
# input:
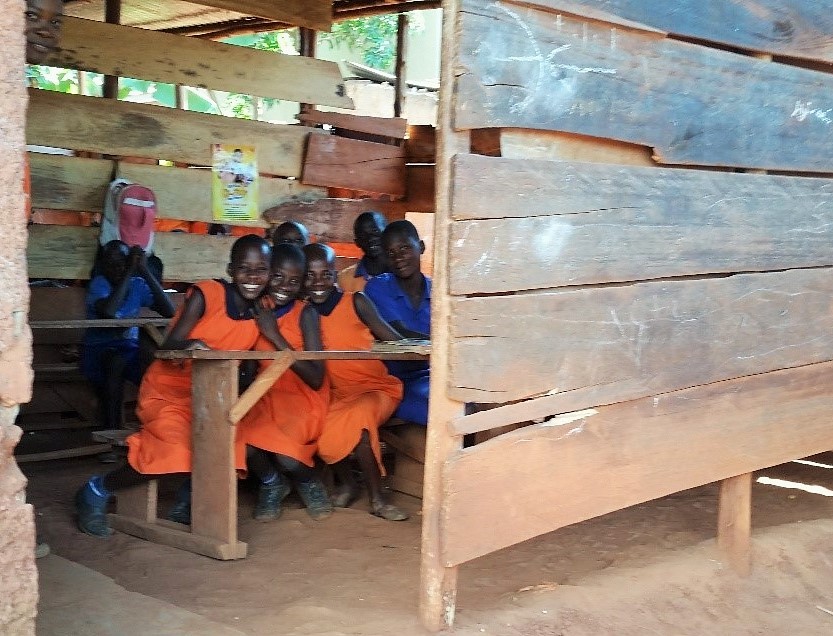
<point x="112" y="15"/>
<point x="438" y="583"/>
<point x="213" y="474"/>
<point x="307" y="45"/>
<point x="734" y="522"/>
<point x="180" y="97"/>
<point x="139" y="502"/>
<point x="400" y="70"/>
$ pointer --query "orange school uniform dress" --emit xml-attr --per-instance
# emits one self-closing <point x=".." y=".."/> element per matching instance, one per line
<point x="363" y="395"/>
<point x="289" y="418"/>
<point x="163" y="445"/>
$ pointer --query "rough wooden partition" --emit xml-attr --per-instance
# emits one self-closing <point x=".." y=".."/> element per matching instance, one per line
<point x="123" y="129"/>
<point x="666" y="327"/>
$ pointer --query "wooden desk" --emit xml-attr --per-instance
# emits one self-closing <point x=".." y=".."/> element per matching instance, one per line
<point x="150" y="325"/>
<point x="216" y="411"/>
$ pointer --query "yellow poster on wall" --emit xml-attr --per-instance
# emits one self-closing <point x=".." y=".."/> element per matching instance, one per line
<point x="234" y="183"/>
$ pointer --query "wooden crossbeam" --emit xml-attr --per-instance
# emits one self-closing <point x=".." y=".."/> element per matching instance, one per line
<point x="315" y="14"/>
<point x="262" y="383"/>
<point x="113" y="49"/>
<point x="141" y="130"/>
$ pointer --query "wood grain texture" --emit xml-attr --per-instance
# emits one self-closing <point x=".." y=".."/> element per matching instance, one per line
<point x="174" y="59"/>
<point x="65" y="252"/>
<point x="139" y="502"/>
<point x="437" y="582"/>
<point x="328" y="220"/>
<point x="177" y="536"/>
<point x="262" y="383"/>
<point x="597" y="346"/>
<point x="595" y="223"/>
<point x="60" y="182"/>
<point x="138" y="130"/>
<point x="617" y="456"/>
<point x="526" y="68"/>
<point x="72" y="183"/>
<point x="214" y="479"/>
<point x="800" y="28"/>
<point x="394" y="127"/>
<point x="185" y="193"/>
<point x="359" y="165"/>
<point x="543" y="144"/>
<point x="314" y="14"/>
<point x="734" y="522"/>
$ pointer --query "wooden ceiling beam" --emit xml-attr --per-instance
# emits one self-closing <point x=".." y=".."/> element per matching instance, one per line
<point x="314" y="14"/>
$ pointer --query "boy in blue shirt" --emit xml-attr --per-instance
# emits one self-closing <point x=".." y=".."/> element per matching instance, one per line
<point x="111" y="354"/>
<point x="403" y="298"/>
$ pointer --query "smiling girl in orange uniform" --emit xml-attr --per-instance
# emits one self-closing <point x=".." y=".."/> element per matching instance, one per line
<point x="363" y="395"/>
<point x="216" y="315"/>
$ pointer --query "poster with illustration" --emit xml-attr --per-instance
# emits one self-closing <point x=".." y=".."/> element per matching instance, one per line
<point x="234" y="183"/>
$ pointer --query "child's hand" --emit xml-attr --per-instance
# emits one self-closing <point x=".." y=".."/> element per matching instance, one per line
<point x="135" y="257"/>
<point x="265" y="320"/>
<point x="196" y="345"/>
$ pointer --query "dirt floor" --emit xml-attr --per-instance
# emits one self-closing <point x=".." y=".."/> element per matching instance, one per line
<point x="651" y="569"/>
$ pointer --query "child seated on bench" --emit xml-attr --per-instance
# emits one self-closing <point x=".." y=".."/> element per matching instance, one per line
<point x="291" y="232"/>
<point x="216" y="315"/>
<point x="363" y="395"/>
<point x="367" y="233"/>
<point x="111" y="354"/>
<point x="403" y="298"/>
<point x="282" y="428"/>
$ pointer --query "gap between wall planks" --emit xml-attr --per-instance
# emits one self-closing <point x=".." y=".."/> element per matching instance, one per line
<point x="114" y="127"/>
<point x="420" y="146"/>
<point x="518" y="143"/>
<point x="602" y="223"/>
<point x="800" y="29"/>
<point x="394" y="127"/>
<point x="74" y="183"/>
<point x="359" y="165"/>
<point x="616" y="456"/>
<point x="589" y="78"/>
<point x="585" y="347"/>
<point x="99" y="47"/>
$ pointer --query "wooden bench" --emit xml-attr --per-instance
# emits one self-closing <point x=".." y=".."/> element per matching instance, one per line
<point x="218" y="409"/>
<point x="62" y="398"/>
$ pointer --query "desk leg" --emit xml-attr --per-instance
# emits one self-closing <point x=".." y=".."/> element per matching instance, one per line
<point x="214" y="479"/>
<point x="139" y="502"/>
<point x="734" y="522"/>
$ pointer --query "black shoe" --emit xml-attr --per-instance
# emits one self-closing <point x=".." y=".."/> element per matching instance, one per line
<point x="269" y="498"/>
<point x="91" y="509"/>
<point x="180" y="512"/>
<point x="315" y="497"/>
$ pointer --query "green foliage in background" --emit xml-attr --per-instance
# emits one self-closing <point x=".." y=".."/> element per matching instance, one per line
<point x="374" y="38"/>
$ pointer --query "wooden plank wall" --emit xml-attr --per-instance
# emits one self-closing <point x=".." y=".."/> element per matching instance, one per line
<point x="121" y="129"/>
<point x="643" y="314"/>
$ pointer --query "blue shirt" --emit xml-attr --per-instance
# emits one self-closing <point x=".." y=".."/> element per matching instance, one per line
<point x="138" y="296"/>
<point x="394" y="305"/>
